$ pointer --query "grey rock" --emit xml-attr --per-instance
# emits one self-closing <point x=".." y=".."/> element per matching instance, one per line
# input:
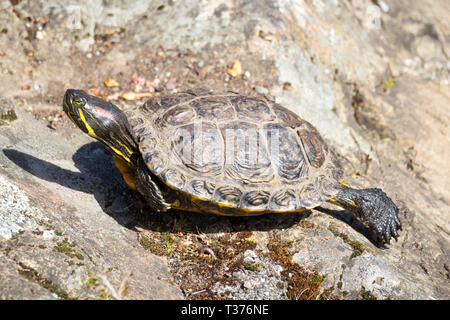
<point x="380" y="278"/>
<point x="258" y="281"/>
<point x="261" y="90"/>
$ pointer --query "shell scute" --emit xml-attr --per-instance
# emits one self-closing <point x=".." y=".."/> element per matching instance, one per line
<point x="178" y="115"/>
<point x="154" y="160"/>
<point x="256" y="200"/>
<point x="246" y="157"/>
<point x="213" y="108"/>
<point x="287" y="117"/>
<point x="251" y="109"/>
<point x="228" y="195"/>
<point x="201" y="188"/>
<point x="198" y="147"/>
<point x="313" y="144"/>
<point x="285" y="151"/>
<point x="283" y="200"/>
<point x="174" y="178"/>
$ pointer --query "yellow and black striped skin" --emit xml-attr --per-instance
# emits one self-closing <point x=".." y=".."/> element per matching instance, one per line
<point x="103" y="121"/>
<point x="108" y="124"/>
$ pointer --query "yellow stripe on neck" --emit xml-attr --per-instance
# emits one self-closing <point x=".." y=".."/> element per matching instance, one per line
<point x="92" y="134"/>
<point x="111" y="134"/>
<point x="88" y="127"/>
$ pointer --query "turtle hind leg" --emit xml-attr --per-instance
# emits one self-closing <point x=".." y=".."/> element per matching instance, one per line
<point x="373" y="208"/>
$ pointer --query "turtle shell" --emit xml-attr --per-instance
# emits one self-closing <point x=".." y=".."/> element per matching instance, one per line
<point x="233" y="154"/>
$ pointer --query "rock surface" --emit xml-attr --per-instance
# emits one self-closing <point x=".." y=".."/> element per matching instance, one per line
<point x="370" y="75"/>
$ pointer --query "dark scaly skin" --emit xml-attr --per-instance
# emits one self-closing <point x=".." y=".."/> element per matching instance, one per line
<point x="154" y="195"/>
<point x="108" y="124"/>
<point x="373" y="208"/>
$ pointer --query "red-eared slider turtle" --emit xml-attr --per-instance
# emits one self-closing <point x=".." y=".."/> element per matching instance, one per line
<point x="226" y="154"/>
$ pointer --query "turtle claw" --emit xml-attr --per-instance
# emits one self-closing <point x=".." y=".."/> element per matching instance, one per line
<point x="382" y="215"/>
<point x="387" y="237"/>
<point x="374" y="209"/>
<point x="394" y="232"/>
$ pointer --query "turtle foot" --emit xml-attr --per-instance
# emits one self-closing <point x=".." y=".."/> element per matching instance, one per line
<point x="374" y="209"/>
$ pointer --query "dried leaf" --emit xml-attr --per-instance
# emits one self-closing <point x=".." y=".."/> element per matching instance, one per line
<point x="236" y="69"/>
<point x="111" y="83"/>
<point x="94" y="91"/>
<point x="132" y="96"/>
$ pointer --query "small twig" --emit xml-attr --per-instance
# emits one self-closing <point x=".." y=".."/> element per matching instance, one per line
<point x="197" y="292"/>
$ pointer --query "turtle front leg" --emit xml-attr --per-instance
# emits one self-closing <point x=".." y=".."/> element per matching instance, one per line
<point x="149" y="189"/>
<point x="138" y="178"/>
<point x="373" y="208"/>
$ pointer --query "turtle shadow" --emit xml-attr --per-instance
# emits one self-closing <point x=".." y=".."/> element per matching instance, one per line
<point x="348" y="218"/>
<point x="203" y="223"/>
<point x="97" y="176"/>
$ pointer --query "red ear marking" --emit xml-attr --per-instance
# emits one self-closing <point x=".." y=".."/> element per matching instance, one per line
<point x="103" y="112"/>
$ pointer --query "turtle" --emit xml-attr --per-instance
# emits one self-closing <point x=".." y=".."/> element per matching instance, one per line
<point x="225" y="153"/>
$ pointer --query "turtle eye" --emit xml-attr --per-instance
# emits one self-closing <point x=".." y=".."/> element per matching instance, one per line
<point x="77" y="101"/>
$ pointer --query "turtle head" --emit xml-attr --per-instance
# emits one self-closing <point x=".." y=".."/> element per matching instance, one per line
<point x="101" y="120"/>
